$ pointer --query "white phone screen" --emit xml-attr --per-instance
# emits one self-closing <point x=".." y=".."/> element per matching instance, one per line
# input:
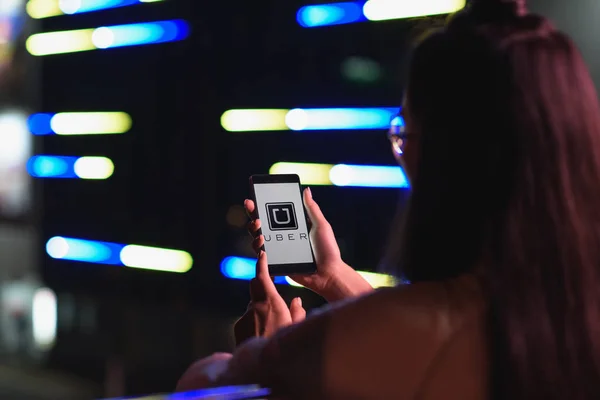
<point x="283" y="223"/>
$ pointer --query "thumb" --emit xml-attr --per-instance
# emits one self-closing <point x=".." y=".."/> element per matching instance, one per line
<point x="297" y="311"/>
<point x="312" y="208"/>
<point x="262" y="287"/>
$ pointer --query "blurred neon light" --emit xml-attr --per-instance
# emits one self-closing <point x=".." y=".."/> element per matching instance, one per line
<point x="156" y="259"/>
<point x="340" y="118"/>
<point x="310" y="174"/>
<point x="93" y="168"/>
<point x="308" y="119"/>
<point x="374" y="10"/>
<point x="344" y="175"/>
<point x="43" y="8"/>
<point x="368" y="176"/>
<point x="84" y="250"/>
<point x="80" y="123"/>
<point x="223" y="392"/>
<point x="132" y="256"/>
<point x="107" y="37"/>
<point x="70" y="167"/>
<point x="375" y="280"/>
<point x="245" y="268"/>
<point x="254" y="120"/>
<point x="331" y="14"/>
<point x="42" y="44"/>
<point x="380" y="10"/>
<point x="38" y="9"/>
<point x="44" y="318"/>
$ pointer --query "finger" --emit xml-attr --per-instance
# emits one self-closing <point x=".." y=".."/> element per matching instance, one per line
<point x="254" y="227"/>
<point x="258" y="243"/>
<point x="297" y="311"/>
<point x="250" y="209"/>
<point x="312" y="208"/>
<point x="262" y="287"/>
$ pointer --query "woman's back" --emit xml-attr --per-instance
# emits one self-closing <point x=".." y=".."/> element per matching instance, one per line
<point x="422" y="341"/>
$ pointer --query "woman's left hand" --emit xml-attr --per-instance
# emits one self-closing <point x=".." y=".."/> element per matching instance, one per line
<point x="267" y="312"/>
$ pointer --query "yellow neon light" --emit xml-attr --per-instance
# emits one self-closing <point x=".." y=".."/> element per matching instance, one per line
<point x="94" y="168"/>
<point x="310" y="174"/>
<point x="39" y="9"/>
<point x="254" y="120"/>
<point x="380" y="10"/>
<point x="153" y="258"/>
<point x="42" y="44"/>
<point x="374" y="279"/>
<point x="89" y="123"/>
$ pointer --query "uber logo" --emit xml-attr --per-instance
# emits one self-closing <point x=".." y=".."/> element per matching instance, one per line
<point x="281" y="216"/>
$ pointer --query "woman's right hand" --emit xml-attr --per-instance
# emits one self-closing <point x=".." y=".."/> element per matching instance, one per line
<point x="334" y="279"/>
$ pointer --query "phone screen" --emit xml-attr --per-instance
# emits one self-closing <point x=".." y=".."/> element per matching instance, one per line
<point x="283" y="223"/>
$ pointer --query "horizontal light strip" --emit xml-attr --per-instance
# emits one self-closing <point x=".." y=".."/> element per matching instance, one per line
<point x="107" y="37"/>
<point x="80" y="123"/>
<point x="331" y="14"/>
<point x="344" y="175"/>
<point x="374" y="10"/>
<point x="310" y="174"/>
<point x="308" y="119"/>
<point x="38" y="9"/>
<point x="380" y="10"/>
<point x="245" y="269"/>
<point x="254" y="120"/>
<point x="44" y="166"/>
<point x="132" y="256"/>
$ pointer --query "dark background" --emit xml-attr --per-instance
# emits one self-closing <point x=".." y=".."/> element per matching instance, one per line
<point x="178" y="173"/>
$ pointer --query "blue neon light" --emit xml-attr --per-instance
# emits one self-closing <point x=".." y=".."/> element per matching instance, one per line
<point x="229" y="392"/>
<point x="39" y="124"/>
<point x="141" y="34"/>
<point x="331" y="14"/>
<point x="85" y="6"/>
<point x="312" y="119"/>
<point x="52" y="167"/>
<point x="373" y="176"/>
<point x="89" y="251"/>
<point x="243" y="269"/>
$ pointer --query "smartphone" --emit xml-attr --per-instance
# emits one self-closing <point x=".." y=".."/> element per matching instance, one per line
<point x="278" y="200"/>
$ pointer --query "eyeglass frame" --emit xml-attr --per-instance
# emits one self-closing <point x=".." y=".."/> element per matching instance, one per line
<point x="397" y="133"/>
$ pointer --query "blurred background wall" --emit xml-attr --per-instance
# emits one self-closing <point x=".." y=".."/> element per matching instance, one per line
<point x="126" y="142"/>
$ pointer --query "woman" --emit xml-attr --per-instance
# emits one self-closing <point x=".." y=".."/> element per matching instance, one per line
<point x="501" y="238"/>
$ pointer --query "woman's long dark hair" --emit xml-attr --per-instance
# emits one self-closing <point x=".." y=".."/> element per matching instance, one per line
<point x="508" y="183"/>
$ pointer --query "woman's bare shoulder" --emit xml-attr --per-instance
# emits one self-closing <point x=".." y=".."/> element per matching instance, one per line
<point x="399" y="330"/>
<point x="417" y="302"/>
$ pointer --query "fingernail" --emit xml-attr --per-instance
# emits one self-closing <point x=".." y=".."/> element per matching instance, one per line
<point x="309" y="192"/>
<point x="299" y="301"/>
<point x="246" y="203"/>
